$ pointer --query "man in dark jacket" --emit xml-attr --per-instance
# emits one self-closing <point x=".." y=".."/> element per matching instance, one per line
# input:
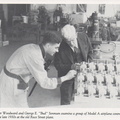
<point x="75" y="48"/>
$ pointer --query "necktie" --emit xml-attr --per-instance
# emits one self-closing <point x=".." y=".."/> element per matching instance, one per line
<point x="75" y="54"/>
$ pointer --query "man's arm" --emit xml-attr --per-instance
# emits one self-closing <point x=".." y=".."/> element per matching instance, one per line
<point x="36" y="67"/>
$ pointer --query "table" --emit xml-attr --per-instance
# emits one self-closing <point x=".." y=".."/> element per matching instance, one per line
<point x="95" y="102"/>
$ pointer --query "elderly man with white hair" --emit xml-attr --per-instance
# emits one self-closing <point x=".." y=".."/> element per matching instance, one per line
<point x="75" y="48"/>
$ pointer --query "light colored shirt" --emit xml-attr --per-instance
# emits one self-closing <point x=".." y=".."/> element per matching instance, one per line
<point x="28" y="62"/>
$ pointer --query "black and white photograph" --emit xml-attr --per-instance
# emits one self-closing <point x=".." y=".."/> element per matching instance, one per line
<point x="64" y="56"/>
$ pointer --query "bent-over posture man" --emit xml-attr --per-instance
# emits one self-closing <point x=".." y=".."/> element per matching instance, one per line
<point x="25" y="63"/>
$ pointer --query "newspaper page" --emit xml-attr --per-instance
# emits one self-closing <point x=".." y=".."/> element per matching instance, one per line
<point x="92" y="101"/>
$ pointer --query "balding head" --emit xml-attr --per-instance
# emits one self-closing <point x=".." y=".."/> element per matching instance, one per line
<point x="70" y="35"/>
<point x="69" y="32"/>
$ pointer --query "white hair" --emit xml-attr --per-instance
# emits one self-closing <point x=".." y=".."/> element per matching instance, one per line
<point x="69" y="32"/>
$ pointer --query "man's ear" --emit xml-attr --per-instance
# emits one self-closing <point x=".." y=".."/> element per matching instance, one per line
<point x="47" y="45"/>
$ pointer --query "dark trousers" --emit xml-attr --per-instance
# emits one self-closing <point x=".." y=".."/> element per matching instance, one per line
<point x="67" y="92"/>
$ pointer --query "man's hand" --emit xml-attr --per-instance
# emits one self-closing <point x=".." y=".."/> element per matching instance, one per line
<point x="71" y="74"/>
<point x="75" y="66"/>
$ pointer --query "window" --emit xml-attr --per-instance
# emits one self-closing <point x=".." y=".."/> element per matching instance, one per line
<point x="102" y="8"/>
<point x="81" y="7"/>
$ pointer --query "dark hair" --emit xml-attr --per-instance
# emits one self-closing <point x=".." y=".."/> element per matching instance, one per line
<point x="51" y="37"/>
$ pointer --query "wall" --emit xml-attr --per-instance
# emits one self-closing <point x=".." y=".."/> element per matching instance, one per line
<point x="110" y="9"/>
<point x="67" y="8"/>
<point x="91" y="8"/>
<point x="5" y="9"/>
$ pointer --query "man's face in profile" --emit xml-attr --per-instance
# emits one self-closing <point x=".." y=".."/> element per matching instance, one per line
<point x="53" y="48"/>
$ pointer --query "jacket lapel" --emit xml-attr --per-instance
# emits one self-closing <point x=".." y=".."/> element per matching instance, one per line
<point x="68" y="52"/>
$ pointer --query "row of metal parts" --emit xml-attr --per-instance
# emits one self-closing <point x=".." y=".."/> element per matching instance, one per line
<point x="99" y="67"/>
<point x="98" y="83"/>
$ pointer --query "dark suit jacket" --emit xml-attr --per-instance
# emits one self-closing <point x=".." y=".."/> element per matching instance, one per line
<point x="64" y="58"/>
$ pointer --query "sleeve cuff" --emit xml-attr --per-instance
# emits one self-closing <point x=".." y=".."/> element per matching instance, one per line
<point x="59" y="82"/>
